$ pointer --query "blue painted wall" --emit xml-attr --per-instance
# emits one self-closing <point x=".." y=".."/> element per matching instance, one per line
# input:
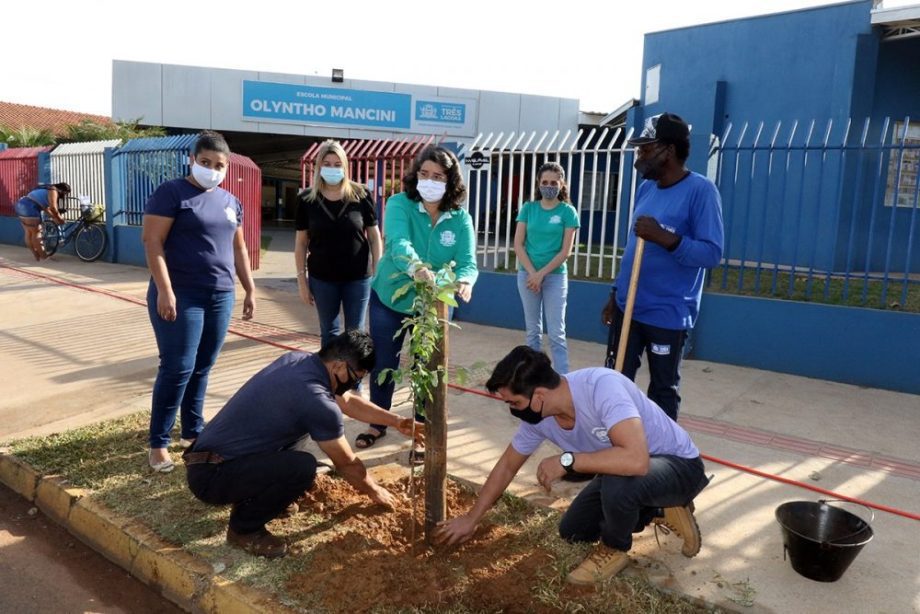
<point x="496" y="303"/>
<point x="11" y="231"/>
<point x="857" y="346"/>
<point x="126" y="246"/>
<point x="786" y="66"/>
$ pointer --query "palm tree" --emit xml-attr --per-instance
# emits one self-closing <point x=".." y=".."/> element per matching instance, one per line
<point x="88" y="130"/>
<point x="26" y="136"/>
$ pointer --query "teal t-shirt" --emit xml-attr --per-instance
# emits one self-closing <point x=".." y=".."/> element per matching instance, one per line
<point x="545" y="229"/>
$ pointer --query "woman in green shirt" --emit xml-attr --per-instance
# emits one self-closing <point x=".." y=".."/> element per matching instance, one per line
<point x="424" y="228"/>
<point x="542" y="242"/>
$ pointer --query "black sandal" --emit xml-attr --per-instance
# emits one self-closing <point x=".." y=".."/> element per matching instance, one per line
<point x="366" y="440"/>
<point x="416" y="457"/>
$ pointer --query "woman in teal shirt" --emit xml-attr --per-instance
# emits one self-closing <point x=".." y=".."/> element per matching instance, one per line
<point x="542" y="242"/>
<point x="424" y="229"/>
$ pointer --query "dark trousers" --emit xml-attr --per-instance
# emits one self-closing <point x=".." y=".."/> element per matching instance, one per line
<point x="611" y="507"/>
<point x="259" y="487"/>
<point x="664" y="348"/>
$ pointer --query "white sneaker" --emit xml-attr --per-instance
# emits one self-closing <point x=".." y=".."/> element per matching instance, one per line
<point x="185" y="444"/>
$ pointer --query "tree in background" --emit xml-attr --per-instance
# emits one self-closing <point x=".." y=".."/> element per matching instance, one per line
<point x="26" y="136"/>
<point x="86" y="130"/>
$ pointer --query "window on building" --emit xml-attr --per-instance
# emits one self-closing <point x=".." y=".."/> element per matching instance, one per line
<point x="909" y="159"/>
<point x="652" y="82"/>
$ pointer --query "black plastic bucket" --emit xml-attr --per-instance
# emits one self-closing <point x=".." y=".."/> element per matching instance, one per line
<point x="822" y="540"/>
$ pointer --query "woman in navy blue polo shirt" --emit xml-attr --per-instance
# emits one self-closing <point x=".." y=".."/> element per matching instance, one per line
<point x="193" y="240"/>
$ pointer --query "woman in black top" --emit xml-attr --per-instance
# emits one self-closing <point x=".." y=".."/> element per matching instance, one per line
<point x="338" y="244"/>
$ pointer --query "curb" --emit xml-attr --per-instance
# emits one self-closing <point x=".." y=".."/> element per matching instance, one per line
<point x="178" y="576"/>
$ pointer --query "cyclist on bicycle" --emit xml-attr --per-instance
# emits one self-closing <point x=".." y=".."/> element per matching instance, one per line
<point x="45" y="197"/>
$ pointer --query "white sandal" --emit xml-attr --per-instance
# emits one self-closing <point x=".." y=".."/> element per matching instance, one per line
<point x="162" y="467"/>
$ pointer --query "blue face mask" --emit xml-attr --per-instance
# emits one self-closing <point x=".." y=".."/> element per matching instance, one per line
<point x="333" y="175"/>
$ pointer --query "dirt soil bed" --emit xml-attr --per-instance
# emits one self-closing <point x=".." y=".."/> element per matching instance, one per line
<point x="371" y="559"/>
<point x="348" y="555"/>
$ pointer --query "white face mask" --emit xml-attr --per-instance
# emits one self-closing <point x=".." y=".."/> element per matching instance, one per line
<point x="207" y="178"/>
<point x="430" y="190"/>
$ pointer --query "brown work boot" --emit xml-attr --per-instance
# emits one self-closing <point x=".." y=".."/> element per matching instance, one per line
<point x="260" y="543"/>
<point x="598" y="566"/>
<point x="681" y="521"/>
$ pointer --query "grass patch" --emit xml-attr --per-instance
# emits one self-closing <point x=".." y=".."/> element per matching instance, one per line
<point x="819" y="288"/>
<point x="342" y="546"/>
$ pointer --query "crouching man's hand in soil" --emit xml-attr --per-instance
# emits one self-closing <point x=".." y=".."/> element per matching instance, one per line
<point x="381" y="496"/>
<point x="461" y="528"/>
<point x="355" y="473"/>
<point x="456" y="530"/>
<point x="406" y="427"/>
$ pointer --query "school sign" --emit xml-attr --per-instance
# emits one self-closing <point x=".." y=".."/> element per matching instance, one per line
<point x="350" y="108"/>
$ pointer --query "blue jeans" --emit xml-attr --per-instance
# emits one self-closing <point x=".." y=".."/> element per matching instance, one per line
<point x="331" y="296"/>
<point x="663" y="347"/>
<point x="550" y="299"/>
<point x="188" y="349"/>
<point x="611" y="507"/>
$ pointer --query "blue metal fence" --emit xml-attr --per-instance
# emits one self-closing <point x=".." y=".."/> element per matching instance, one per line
<point x="141" y="165"/>
<point x="821" y="212"/>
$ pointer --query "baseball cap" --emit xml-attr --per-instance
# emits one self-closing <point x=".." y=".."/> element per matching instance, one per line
<point x="664" y="128"/>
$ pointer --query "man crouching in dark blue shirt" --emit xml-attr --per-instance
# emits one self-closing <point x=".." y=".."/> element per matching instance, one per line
<point x="245" y="456"/>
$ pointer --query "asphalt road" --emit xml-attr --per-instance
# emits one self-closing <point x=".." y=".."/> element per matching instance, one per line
<point x="43" y="568"/>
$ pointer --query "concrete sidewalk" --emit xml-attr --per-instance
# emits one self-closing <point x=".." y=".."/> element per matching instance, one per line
<point x="76" y="347"/>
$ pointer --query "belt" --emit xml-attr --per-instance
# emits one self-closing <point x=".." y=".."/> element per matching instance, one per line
<point x="200" y="458"/>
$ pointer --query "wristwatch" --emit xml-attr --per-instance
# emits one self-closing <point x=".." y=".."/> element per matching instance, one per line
<point x="567" y="460"/>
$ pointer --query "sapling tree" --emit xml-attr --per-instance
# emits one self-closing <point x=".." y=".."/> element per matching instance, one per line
<point x="426" y="374"/>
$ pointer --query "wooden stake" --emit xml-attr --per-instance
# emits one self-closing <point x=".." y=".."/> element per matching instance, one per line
<point x="630" y="303"/>
<point x="436" y="438"/>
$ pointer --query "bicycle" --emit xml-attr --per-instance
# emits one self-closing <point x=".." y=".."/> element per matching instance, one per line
<point x="87" y="233"/>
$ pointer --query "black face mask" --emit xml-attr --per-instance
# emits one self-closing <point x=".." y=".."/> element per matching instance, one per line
<point x="650" y="168"/>
<point x="528" y="414"/>
<point x="349" y="384"/>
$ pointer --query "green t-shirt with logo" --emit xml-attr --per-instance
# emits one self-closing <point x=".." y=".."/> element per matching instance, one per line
<point x="545" y="229"/>
<point x="409" y="235"/>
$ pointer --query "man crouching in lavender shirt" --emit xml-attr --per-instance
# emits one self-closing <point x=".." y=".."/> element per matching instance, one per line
<point x="642" y="460"/>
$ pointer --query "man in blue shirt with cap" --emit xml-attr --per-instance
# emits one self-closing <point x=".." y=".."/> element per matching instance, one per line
<point x="679" y="214"/>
